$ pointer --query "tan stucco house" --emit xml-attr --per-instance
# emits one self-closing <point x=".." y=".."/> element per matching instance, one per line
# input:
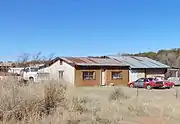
<point x="88" y="71"/>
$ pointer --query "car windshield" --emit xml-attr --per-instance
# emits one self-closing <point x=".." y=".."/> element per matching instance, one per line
<point x="34" y="69"/>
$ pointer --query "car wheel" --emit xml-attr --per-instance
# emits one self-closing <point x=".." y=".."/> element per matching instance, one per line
<point x="148" y="87"/>
<point x="31" y="79"/>
<point x="131" y="86"/>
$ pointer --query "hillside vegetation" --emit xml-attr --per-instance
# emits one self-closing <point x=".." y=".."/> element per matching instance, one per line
<point x="170" y="57"/>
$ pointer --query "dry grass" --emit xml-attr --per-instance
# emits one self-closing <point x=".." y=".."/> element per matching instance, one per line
<point x="52" y="102"/>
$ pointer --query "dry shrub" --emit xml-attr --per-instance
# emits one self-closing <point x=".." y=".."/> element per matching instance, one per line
<point x="79" y="104"/>
<point x="35" y="100"/>
<point x="117" y="94"/>
<point x="54" y="97"/>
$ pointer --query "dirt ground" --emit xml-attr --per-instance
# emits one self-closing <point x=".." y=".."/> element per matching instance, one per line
<point x="156" y="106"/>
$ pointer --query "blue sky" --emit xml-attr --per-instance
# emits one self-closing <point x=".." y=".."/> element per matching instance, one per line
<point x="88" y="27"/>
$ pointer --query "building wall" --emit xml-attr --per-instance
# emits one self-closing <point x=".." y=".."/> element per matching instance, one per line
<point x="98" y="78"/>
<point x="123" y="81"/>
<point x="53" y="70"/>
<point x="79" y="79"/>
<point x="142" y="73"/>
<point x="136" y="74"/>
<point x="69" y="73"/>
<point x="155" y="72"/>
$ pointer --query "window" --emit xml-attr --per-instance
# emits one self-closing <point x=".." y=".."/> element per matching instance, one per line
<point x="61" y="62"/>
<point x="26" y="69"/>
<point x="60" y="74"/>
<point x="147" y="80"/>
<point x="34" y="69"/>
<point x="88" y="75"/>
<point x="140" y="80"/>
<point x="116" y="75"/>
<point x="150" y="79"/>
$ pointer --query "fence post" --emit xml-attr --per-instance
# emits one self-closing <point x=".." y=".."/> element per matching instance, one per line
<point x="137" y="91"/>
<point x="177" y="93"/>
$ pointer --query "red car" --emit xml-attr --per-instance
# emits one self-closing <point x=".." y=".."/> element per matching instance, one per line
<point x="167" y="84"/>
<point x="150" y="83"/>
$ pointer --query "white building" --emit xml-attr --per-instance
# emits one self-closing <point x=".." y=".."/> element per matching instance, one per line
<point x="56" y="68"/>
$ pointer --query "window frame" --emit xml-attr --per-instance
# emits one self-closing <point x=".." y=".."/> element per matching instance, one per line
<point x="120" y="74"/>
<point x="93" y="75"/>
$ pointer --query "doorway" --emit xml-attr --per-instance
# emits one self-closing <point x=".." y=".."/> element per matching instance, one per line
<point x="103" y="83"/>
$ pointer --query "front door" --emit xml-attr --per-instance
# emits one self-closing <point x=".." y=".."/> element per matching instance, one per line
<point x="103" y="78"/>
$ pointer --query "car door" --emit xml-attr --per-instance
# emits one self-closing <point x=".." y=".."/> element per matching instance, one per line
<point x="140" y="82"/>
<point x="136" y="83"/>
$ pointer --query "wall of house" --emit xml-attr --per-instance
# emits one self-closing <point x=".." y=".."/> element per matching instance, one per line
<point x="141" y="74"/>
<point x="123" y="81"/>
<point x="79" y="78"/>
<point x="155" y="72"/>
<point x="69" y="73"/>
<point x="53" y="70"/>
<point x="135" y="74"/>
<point x="98" y="76"/>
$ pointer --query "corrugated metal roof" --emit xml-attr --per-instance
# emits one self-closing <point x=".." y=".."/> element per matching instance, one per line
<point x="139" y="62"/>
<point x="88" y="61"/>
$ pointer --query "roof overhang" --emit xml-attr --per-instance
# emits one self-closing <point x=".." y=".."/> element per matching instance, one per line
<point x="102" y="65"/>
<point x="151" y="68"/>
